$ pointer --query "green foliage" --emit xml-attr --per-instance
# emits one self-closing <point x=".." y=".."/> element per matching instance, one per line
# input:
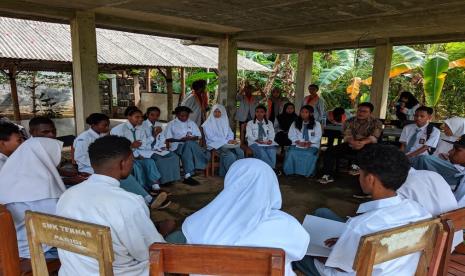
<point x="211" y="77"/>
<point x="434" y="75"/>
<point x="455" y="50"/>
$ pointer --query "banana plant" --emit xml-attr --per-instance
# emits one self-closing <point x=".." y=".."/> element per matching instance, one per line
<point x="434" y="76"/>
<point x="346" y="64"/>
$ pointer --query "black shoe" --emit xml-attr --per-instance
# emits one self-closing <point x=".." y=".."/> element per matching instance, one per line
<point x="191" y="181"/>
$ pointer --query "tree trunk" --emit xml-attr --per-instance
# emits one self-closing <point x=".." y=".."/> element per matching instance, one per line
<point x="14" y="93"/>
<point x="33" y="92"/>
<point x="272" y="77"/>
<point x="169" y="89"/>
<point x="288" y="77"/>
<point x="182" y="76"/>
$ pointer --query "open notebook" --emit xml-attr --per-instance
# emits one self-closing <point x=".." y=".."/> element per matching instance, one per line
<point x="321" y="229"/>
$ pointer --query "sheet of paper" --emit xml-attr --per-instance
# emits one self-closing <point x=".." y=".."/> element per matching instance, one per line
<point x="162" y="152"/>
<point x="321" y="229"/>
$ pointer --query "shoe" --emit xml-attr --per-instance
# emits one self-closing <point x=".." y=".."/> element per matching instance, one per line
<point x="354" y="170"/>
<point x="362" y="196"/>
<point x="191" y="181"/>
<point x="278" y="172"/>
<point x="325" y="179"/>
<point x="158" y="201"/>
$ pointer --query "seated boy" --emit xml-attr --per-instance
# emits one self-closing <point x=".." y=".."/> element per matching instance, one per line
<point x="383" y="169"/>
<point x="100" y="200"/>
<point x="10" y="139"/>
<point x="422" y="137"/>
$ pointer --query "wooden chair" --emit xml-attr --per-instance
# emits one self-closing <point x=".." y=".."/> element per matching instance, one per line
<point x="453" y="264"/>
<point x="427" y="237"/>
<point x="72" y="235"/>
<point x="215" y="260"/>
<point x="10" y="262"/>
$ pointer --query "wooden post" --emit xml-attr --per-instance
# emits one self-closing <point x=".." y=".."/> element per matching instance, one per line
<point x="304" y="75"/>
<point x="33" y="92"/>
<point x="85" y="68"/>
<point x="380" y="84"/>
<point x="169" y="90"/>
<point x="12" y="73"/>
<point x="136" y="90"/>
<point x="182" y="76"/>
<point x="227" y="77"/>
<point x="148" y="79"/>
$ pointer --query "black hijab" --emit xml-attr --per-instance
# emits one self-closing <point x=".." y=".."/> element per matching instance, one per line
<point x="285" y="119"/>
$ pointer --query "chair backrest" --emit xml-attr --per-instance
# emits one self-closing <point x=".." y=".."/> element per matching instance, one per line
<point x="453" y="221"/>
<point x="9" y="255"/>
<point x="427" y="237"/>
<point x="83" y="238"/>
<point x="215" y="260"/>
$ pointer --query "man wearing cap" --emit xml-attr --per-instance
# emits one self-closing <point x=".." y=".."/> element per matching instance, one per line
<point x="452" y="169"/>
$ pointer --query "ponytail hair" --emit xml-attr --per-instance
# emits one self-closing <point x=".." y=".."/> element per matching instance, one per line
<point x="299" y="121"/>
<point x="262" y="107"/>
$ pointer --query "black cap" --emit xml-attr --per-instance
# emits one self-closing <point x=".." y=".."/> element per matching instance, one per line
<point x="459" y="143"/>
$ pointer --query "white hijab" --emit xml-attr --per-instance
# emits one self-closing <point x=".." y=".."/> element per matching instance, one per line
<point x="247" y="213"/>
<point x="457" y="126"/>
<point x="31" y="174"/>
<point x="217" y="128"/>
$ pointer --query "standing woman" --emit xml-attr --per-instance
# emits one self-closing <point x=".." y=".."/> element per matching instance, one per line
<point x="260" y="137"/>
<point x="406" y="106"/>
<point x="247" y="104"/>
<point x="220" y="137"/>
<point x="305" y="134"/>
<point x="285" y="120"/>
<point x="318" y="104"/>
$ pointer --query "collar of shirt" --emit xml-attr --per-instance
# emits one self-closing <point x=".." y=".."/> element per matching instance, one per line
<point x="105" y="179"/>
<point x="421" y="128"/>
<point x="3" y="156"/>
<point x="130" y="127"/>
<point x="378" y="204"/>
<point x="93" y="133"/>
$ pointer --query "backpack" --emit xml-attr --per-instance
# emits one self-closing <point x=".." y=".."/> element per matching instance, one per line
<point x="429" y="131"/>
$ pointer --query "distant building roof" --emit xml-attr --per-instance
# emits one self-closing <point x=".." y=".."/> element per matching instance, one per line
<point x="34" y="42"/>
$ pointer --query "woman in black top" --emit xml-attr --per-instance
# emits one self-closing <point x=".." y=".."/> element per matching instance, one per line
<point x="285" y="120"/>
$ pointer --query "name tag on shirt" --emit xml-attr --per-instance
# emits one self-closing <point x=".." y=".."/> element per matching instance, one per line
<point x="422" y="141"/>
<point x="312" y="134"/>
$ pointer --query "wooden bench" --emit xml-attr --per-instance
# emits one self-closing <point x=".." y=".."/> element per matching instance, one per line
<point x="453" y="263"/>
<point x="10" y="262"/>
<point x="215" y="260"/>
<point x="427" y="237"/>
<point x="71" y="235"/>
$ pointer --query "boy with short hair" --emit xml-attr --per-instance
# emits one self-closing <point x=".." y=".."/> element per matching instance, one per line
<point x="383" y="170"/>
<point x="101" y="200"/>
<point x="42" y="127"/>
<point x="10" y="140"/>
<point x="422" y="137"/>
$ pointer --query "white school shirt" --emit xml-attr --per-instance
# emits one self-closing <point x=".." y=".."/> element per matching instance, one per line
<point x="100" y="200"/>
<point x="314" y="135"/>
<point x="81" y="149"/>
<point x="375" y="216"/>
<point x="125" y="130"/>
<point x="432" y="192"/>
<point x="409" y="131"/>
<point x="3" y="159"/>
<point x="460" y="191"/>
<point x="148" y="127"/>
<point x="177" y="130"/>
<point x="252" y="131"/>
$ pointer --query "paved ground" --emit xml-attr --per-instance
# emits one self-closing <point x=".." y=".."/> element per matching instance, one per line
<point x="301" y="196"/>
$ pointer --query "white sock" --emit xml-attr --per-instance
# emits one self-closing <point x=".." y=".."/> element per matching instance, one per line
<point x="187" y="175"/>
<point x="156" y="187"/>
<point x="148" y="199"/>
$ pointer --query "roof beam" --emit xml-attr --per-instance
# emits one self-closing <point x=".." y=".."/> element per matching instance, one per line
<point x="34" y="11"/>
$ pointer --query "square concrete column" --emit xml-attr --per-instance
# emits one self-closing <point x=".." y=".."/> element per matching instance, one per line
<point x="85" y="68"/>
<point x="304" y="75"/>
<point x="227" y="79"/>
<point x="380" y="84"/>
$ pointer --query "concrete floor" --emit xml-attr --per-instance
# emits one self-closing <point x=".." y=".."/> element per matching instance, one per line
<point x="301" y="196"/>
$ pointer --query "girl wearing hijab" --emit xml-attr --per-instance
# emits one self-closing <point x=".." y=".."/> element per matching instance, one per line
<point x="247" y="213"/>
<point x="406" y="106"/>
<point x="285" y="120"/>
<point x="30" y="181"/>
<point x="260" y="137"/>
<point x="305" y="134"/>
<point x="454" y="128"/>
<point x="220" y="137"/>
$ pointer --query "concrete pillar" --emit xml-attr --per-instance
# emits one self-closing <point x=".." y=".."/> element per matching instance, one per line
<point x="136" y="90"/>
<point x="182" y="79"/>
<point x="169" y="91"/>
<point x="85" y="68"/>
<point x="148" y="79"/>
<point x="304" y="75"/>
<point x="227" y="76"/>
<point x="380" y="84"/>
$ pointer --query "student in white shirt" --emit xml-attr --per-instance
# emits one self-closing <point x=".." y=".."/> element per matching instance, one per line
<point x="100" y="126"/>
<point x="383" y="170"/>
<point x="422" y="137"/>
<point x="248" y="213"/>
<point x="145" y="169"/>
<point x="305" y="134"/>
<point x="453" y="128"/>
<point x="30" y="181"/>
<point x="260" y="137"/>
<point x="457" y="158"/>
<point x="100" y="200"/>
<point x="10" y="140"/>
<point x="183" y="135"/>
<point x="219" y="136"/>
<point x="167" y="162"/>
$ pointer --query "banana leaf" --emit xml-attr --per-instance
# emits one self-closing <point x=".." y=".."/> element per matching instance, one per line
<point x="434" y="75"/>
<point x="354" y="88"/>
<point x="457" y="63"/>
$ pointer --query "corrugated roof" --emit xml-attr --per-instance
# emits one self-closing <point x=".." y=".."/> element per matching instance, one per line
<point x="35" y="40"/>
